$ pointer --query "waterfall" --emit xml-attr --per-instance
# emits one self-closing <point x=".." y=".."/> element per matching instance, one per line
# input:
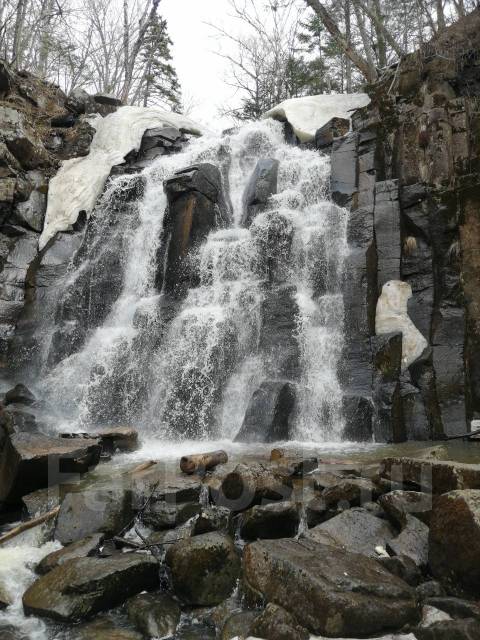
<point x="188" y="368"/>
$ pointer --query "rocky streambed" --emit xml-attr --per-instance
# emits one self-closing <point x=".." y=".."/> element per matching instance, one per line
<point x="278" y="544"/>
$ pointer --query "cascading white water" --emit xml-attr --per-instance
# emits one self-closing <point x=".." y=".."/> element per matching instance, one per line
<point x="197" y="375"/>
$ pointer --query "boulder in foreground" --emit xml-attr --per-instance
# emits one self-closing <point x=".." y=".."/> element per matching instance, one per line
<point x="82" y="587"/>
<point x="454" y="554"/>
<point x="204" y="569"/>
<point x="330" y="591"/>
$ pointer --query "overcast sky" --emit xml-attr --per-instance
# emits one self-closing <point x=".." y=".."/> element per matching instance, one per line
<point x="202" y="73"/>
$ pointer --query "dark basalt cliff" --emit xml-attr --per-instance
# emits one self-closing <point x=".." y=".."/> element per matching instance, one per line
<point x="409" y="172"/>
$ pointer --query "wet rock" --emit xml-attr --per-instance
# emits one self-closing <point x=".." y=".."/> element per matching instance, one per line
<point x="170" y="536"/>
<point x="436" y="476"/>
<point x="41" y="501"/>
<point x="403" y="567"/>
<point x="262" y="185"/>
<point x="155" y="615"/>
<point x="399" y="504"/>
<point x="335" y="128"/>
<point x="115" y="439"/>
<point x="248" y="485"/>
<point x="81" y="549"/>
<point x="238" y="625"/>
<point x="195" y="207"/>
<point x="105" y="511"/>
<point x="162" y="485"/>
<point x="277" y="624"/>
<point x="351" y="492"/>
<point x="331" y="591"/>
<point x="277" y="520"/>
<point x="163" y="515"/>
<point x="450" y="630"/>
<point x="103" y="628"/>
<point x="268" y="415"/>
<point x="5" y="600"/>
<point x="298" y="464"/>
<point x="19" y="394"/>
<point x="455" y="607"/>
<point x="454" y="556"/>
<point x="204" y="569"/>
<point x="31" y="461"/>
<point x="412" y="541"/>
<point x="354" y="530"/>
<point x="212" y="519"/>
<point x="8" y="632"/>
<point x="430" y="589"/>
<point x="108" y="99"/>
<point x="80" y="588"/>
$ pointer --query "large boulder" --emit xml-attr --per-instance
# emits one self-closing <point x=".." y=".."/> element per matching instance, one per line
<point x="450" y="630"/>
<point x="276" y="520"/>
<point x="269" y="413"/>
<point x="82" y="587"/>
<point x="262" y="185"/>
<point x="30" y="461"/>
<point x="105" y="511"/>
<point x="204" y="569"/>
<point x="350" y="492"/>
<point x="354" y="530"/>
<point x="21" y="139"/>
<point x="454" y="555"/>
<point x="330" y="591"/>
<point x="435" y="476"/>
<point x="155" y="615"/>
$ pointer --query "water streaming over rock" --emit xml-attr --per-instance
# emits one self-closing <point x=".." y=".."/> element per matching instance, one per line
<point x="187" y="367"/>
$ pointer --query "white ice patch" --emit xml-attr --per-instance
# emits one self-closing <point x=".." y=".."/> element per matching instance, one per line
<point x="307" y="115"/>
<point x="80" y="181"/>
<point x="392" y="316"/>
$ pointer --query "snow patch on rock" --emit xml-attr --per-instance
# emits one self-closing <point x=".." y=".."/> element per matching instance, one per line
<point x="392" y="316"/>
<point x="307" y="115"/>
<point x="80" y="181"/>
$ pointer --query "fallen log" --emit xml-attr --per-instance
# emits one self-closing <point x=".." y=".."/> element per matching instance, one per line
<point x="30" y="524"/>
<point x="201" y="462"/>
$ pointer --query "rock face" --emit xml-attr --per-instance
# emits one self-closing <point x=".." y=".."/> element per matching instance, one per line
<point x="204" y="569"/>
<point x="262" y="185"/>
<point x="408" y="171"/>
<point x="196" y="205"/>
<point x="454" y="555"/>
<point x="80" y="588"/>
<point x="332" y="592"/>
<point x="269" y="413"/>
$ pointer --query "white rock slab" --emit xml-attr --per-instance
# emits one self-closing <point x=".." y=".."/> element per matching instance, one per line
<point x="308" y="114"/>
<point x="392" y="316"/>
<point x="80" y="181"/>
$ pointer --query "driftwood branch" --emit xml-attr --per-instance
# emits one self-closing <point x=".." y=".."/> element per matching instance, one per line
<point x="30" y="524"/>
<point x="201" y="462"/>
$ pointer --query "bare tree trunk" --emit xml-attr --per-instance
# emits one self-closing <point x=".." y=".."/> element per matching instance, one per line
<point x="379" y="25"/>
<point x="377" y="21"/>
<point x="440" y="14"/>
<point x="369" y="53"/>
<point x="363" y="65"/>
<point x="348" y="34"/>
<point x="17" y="52"/>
